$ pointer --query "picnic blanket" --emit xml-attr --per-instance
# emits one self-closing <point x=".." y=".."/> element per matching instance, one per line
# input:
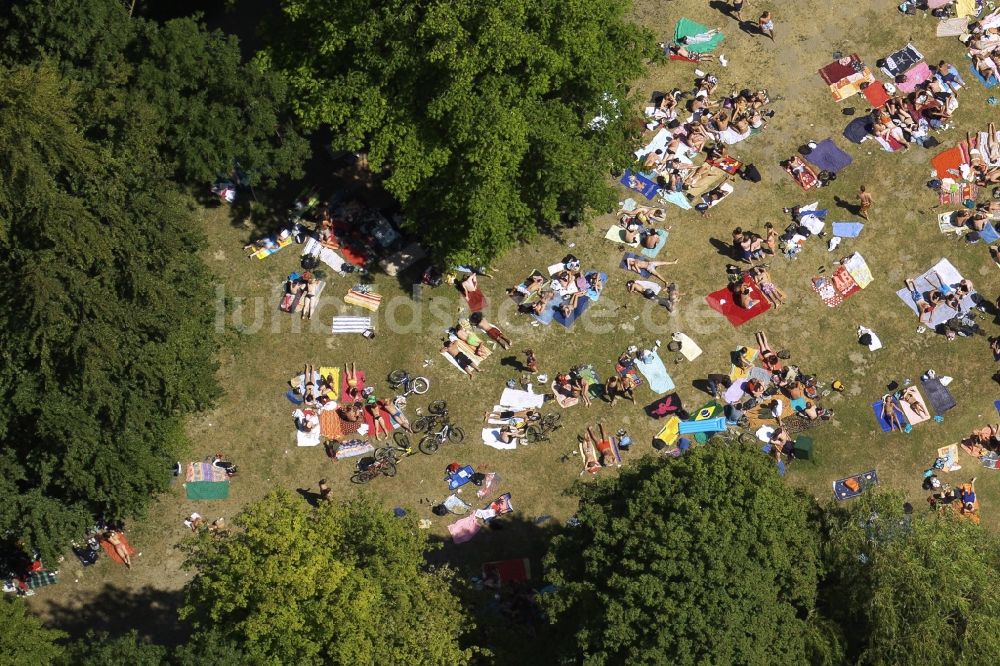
<point x="639" y="183"/>
<point x="834" y="290"/>
<point x="563" y="400"/>
<point x="330" y="425"/>
<point x="354" y="448"/>
<point x="368" y="301"/>
<point x="949" y="454"/>
<point x="665" y="406"/>
<point x="828" y="157"/>
<point x="204" y="471"/>
<point x="723" y="302"/>
<point x="110" y="549"/>
<point x="940" y="397"/>
<point x="652" y="252"/>
<point x="515" y="399"/>
<point x="911" y="416"/>
<point x="616" y="234"/>
<point x="295" y="302"/>
<point x="655" y="372"/>
<point x="900" y="61"/>
<point x="464" y="529"/>
<point x="876" y="95"/>
<point x="953" y="27"/>
<point x="924" y="283"/>
<point x="37" y="579"/>
<point x="310" y="438"/>
<point x="491" y="437"/>
<point x="689" y="348"/>
<point x="846" y="76"/>
<point x="858" y="129"/>
<point x="687" y="30"/>
<point x="350" y="324"/>
<point x="865" y="481"/>
<point x="460" y="478"/>
<point x="272" y="245"/>
<point x="914" y="77"/>
<point x="847" y="229"/>
<point x="508" y="571"/>
<point x="987" y="83"/>
<point x="807" y="178"/>
<point x="206" y="490"/>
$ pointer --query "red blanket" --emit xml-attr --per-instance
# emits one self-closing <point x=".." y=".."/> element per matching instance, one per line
<point x="476" y="300"/>
<point x="876" y="95"/>
<point x="344" y="397"/>
<point x="722" y="301"/>
<point x="110" y="549"/>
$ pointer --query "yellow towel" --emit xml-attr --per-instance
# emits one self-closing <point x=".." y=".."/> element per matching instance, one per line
<point x="325" y="371"/>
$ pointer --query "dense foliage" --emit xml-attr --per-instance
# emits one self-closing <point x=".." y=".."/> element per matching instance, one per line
<point x="23" y="639"/>
<point x="708" y="559"/>
<point x="479" y="111"/>
<point x="912" y="592"/>
<point x="342" y="584"/>
<point x="187" y="87"/>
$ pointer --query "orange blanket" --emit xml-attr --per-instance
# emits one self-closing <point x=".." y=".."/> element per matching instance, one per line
<point x="110" y="549"/>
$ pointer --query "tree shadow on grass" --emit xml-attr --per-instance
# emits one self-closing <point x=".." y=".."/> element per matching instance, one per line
<point x="151" y="612"/>
<point x="517" y="537"/>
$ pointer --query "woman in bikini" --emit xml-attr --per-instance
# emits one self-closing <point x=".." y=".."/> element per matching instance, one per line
<point x="374" y="411"/>
<point x="889" y="413"/>
<point x="308" y="376"/>
<point x="353" y="381"/>
<point x="771" y="291"/>
<point x="114" y="538"/>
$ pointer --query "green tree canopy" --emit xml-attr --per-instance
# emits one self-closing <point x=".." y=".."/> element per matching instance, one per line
<point x="23" y="639"/>
<point x="104" y="650"/>
<point x="187" y="86"/>
<point x="105" y="316"/>
<point x="479" y="111"/>
<point x="921" y="591"/>
<point x="707" y="559"/>
<point x="342" y="584"/>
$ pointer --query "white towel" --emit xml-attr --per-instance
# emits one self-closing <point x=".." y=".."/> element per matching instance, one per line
<point x="876" y="344"/>
<point x="689" y="349"/>
<point x="515" y="399"/>
<point x="491" y="437"/>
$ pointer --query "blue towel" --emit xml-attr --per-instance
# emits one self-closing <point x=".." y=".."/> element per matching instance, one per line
<point x="655" y="373"/>
<point x="880" y="415"/>
<point x="718" y="424"/>
<point x="847" y="229"/>
<point x="989" y="234"/>
<point x="678" y="199"/>
<point x="798" y="403"/>
<point x="639" y="183"/>
<point x="989" y="83"/>
<point x="547" y="314"/>
<point x="828" y="157"/>
<point x="592" y="293"/>
<point x="581" y="307"/>
<point x="293" y="397"/>
<point x="996" y="404"/>
<point x="628" y="255"/>
<point x="460" y="478"/>
<point x="652" y="252"/>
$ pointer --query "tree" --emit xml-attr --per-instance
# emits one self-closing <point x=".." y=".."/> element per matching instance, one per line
<point x="912" y="590"/>
<point x="344" y="584"/>
<point x="480" y="112"/>
<point x="104" y="650"/>
<point x="105" y="316"/>
<point x="706" y="559"/>
<point x="23" y="639"/>
<point x="188" y="85"/>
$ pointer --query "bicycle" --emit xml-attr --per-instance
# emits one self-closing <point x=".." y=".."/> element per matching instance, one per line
<point x="448" y="432"/>
<point x="542" y="427"/>
<point x="400" y="448"/>
<point x="401" y="379"/>
<point x="369" y="468"/>
<point x="438" y="412"/>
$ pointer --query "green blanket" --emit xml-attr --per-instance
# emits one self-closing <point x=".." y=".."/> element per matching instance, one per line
<point x="688" y="28"/>
<point x="207" y="490"/>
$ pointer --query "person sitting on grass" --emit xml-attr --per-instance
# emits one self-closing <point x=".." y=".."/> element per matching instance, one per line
<point x="580" y="387"/>
<point x="743" y="295"/>
<point x="639" y="265"/>
<point x="889" y="414"/>
<point x="542" y="304"/>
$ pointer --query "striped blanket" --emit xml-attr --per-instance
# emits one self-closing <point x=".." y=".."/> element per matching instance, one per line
<point x="202" y="471"/>
<point x="369" y="301"/>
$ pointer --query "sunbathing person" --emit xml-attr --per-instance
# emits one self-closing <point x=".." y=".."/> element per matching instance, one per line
<point x="680" y="51"/>
<point x="465" y="363"/>
<point x="372" y="407"/>
<point x="650" y="238"/>
<point x="309" y="394"/>
<point x="743" y="295"/>
<point x="495" y="334"/>
<point x="579" y="387"/>
<point x="604" y="447"/>
<point x="310" y="290"/>
<point x="470" y="339"/>
<point x="986" y="66"/>
<point x="945" y="292"/>
<point x="771" y="360"/>
<point x="767" y="286"/>
<point x="924" y="308"/>
<point x="351" y="413"/>
<point x="651" y="290"/>
<point x="531" y="284"/>
<point x="114" y="538"/>
<point x="964" y="288"/>
<point x="542" y="304"/>
<point x="589" y="453"/>
<point x="570" y="301"/>
<point x="914" y="403"/>
<point x="889" y="413"/>
<point x="648" y="265"/>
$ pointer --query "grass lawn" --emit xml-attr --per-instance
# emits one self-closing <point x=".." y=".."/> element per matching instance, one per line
<point x="252" y="423"/>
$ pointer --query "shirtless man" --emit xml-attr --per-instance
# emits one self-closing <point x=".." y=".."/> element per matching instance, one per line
<point x="464" y="362"/>
<point x="889" y="413"/>
<point x="495" y="334"/>
<point x="648" y="265"/>
<point x="866" y="202"/>
<point x="911" y="400"/>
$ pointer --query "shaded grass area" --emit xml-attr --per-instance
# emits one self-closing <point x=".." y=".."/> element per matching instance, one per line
<point x="263" y="347"/>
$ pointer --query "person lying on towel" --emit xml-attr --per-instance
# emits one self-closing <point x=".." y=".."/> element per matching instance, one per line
<point x="464" y="362"/>
<point x="801" y="172"/>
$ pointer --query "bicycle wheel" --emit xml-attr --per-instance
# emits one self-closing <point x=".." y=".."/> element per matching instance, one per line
<point x="420" y="385"/>
<point x="385" y="453"/>
<point x="438" y="407"/>
<point x="401" y="439"/>
<point x="456" y="434"/>
<point x="423" y="424"/>
<point x="389" y="468"/>
<point x="361" y="477"/>
<point x="397" y="377"/>
<point x="551" y="420"/>
<point x="429" y="445"/>
<point x="533" y="434"/>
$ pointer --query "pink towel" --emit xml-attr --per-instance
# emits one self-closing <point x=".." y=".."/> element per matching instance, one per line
<point x="464" y="529"/>
<point x="914" y="77"/>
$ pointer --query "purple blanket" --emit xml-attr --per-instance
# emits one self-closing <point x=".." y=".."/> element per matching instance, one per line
<point x="827" y="157"/>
